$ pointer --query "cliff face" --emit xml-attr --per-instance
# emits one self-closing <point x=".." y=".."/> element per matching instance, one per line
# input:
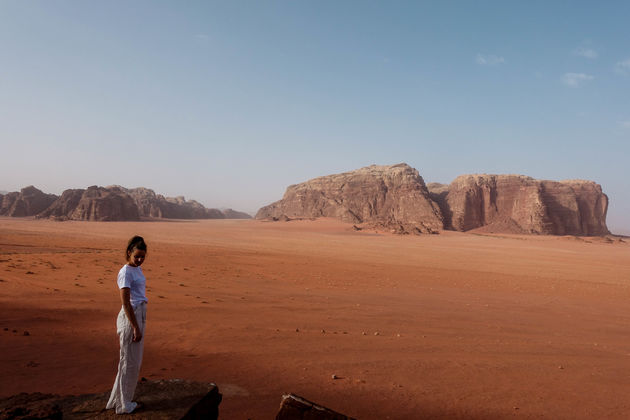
<point x="28" y="202"/>
<point x="105" y="204"/>
<point x="520" y="204"/>
<point x="575" y="207"/>
<point x="92" y="204"/>
<point x="396" y="197"/>
<point x="392" y="196"/>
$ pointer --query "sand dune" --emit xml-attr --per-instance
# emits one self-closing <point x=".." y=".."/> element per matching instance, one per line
<point x="438" y="326"/>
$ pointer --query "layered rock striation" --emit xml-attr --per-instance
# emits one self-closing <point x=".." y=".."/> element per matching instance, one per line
<point x="393" y="196"/>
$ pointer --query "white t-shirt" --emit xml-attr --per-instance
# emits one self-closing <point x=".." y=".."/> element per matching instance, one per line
<point x="133" y="278"/>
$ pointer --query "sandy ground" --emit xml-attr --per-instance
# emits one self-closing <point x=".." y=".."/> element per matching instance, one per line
<point x="439" y="326"/>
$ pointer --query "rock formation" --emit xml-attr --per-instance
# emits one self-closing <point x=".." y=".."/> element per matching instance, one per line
<point x="93" y="204"/>
<point x="392" y="196"/>
<point x="520" y="204"/>
<point x="28" y="202"/>
<point x="162" y="400"/>
<point x="105" y="204"/>
<point x="294" y="407"/>
<point x="64" y="206"/>
<point x="155" y="205"/>
<point x="233" y="214"/>
<point x="396" y="197"/>
<point x="113" y="203"/>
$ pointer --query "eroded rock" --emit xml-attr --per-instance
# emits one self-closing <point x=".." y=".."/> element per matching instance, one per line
<point x="162" y="400"/>
<point x="521" y="204"/>
<point x="393" y="196"/>
<point x="28" y="202"/>
<point x="294" y="407"/>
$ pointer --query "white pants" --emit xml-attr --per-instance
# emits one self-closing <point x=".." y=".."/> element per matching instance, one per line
<point x="130" y="361"/>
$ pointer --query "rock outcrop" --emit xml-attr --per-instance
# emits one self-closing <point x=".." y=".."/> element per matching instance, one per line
<point x="393" y="196"/>
<point x="28" y="202"/>
<point x="162" y="400"/>
<point x="520" y="204"/>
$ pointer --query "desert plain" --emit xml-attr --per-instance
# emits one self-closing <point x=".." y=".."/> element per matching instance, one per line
<point x="455" y="325"/>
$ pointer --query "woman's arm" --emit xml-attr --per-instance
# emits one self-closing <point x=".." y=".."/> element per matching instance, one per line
<point x="125" y="297"/>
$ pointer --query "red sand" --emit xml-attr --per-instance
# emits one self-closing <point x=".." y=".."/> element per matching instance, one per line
<point x="456" y="325"/>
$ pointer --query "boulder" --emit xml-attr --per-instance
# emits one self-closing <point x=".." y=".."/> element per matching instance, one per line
<point x="161" y="400"/>
<point x="28" y="202"/>
<point x="294" y="407"/>
<point x="392" y="196"/>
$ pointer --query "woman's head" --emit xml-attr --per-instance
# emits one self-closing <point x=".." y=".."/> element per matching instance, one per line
<point x="136" y="251"/>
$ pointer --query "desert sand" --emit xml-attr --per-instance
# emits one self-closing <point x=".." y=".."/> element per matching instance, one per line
<point x="456" y="325"/>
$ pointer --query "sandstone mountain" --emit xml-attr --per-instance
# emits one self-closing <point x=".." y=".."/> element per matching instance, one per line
<point x="521" y="204"/>
<point x="396" y="197"/>
<point x="93" y="204"/>
<point x="28" y="202"/>
<point x="106" y="204"/>
<point x="393" y="196"/>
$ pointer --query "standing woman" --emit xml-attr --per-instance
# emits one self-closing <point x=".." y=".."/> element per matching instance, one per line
<point x="130" y="325"/>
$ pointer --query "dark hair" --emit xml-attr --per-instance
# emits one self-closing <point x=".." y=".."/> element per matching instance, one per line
<point x="137" y="242"/>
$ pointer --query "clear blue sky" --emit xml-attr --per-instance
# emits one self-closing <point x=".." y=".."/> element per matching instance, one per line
<point x="229" y="102"/>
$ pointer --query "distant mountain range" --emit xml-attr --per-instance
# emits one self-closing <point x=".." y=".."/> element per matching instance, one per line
<point x="113" y="203"/>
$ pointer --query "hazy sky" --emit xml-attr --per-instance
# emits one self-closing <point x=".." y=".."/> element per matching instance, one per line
<point x="229" y="102"/>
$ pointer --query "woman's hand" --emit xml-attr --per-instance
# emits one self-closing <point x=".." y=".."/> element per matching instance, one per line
<point x="137" y="334"/>
<point x="125" y="298"/>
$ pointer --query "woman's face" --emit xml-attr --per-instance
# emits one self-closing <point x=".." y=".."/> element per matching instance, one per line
<point x="136" y="257"/>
